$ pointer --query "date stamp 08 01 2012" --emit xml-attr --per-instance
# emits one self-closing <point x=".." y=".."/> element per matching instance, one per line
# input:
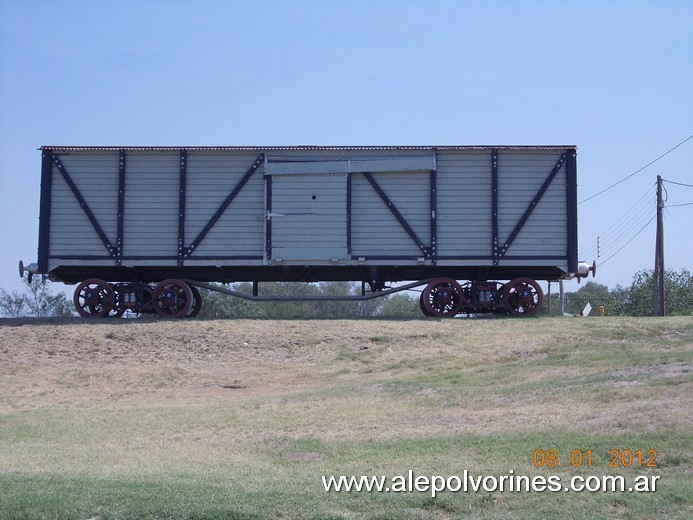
<point x="585" y="458"/>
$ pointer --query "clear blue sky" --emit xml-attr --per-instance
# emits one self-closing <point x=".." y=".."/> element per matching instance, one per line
<point x="614" y="78"/>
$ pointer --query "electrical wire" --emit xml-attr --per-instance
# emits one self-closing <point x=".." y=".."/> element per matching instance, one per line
<point x="624" y="233"/>
<point x="623" y="225"/>
<point x="679" y="205"/>
<point x="678" y="183"/>
<point x="634" y="212"/>
<point x="626" y="236"/>
<point x="645" y="207"/>
<point x="639" y="170"/>
<point x="633" y="238"/>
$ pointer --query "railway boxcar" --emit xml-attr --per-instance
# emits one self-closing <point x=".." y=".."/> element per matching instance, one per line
<point x="141" y="228"/>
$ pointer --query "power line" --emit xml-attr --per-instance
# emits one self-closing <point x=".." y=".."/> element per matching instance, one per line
<point x="633" y="238"/>
<point x="639" y="170"/>
<point x="625" y="238"/>
<point x="624" y="233"/>
<point x="645" y="208"/>
<point x="622" y="227"/>
<point x="679" y="183"/>
<point x="679" y="205"/>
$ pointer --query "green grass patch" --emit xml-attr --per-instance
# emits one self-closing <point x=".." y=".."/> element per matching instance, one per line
<point x="437" y="398"/>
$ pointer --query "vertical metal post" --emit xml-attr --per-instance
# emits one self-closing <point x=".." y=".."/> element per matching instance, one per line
<point x="45" y="210"/>
<point x="571" y="206"/>
<point x="434" y="210"/>
<point x="268" y="218"/>
<point x="181" y="206"/>
<point x="659" y="304"/>
<point x="494" y="205"/>
<point x="121" y="206"/>
<point x="549" y="293"/>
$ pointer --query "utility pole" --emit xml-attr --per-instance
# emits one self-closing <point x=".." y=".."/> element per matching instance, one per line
<point x="658" y="296"/>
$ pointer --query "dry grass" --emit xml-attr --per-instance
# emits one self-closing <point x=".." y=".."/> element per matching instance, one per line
<point x="83" y="364"/>
<point x="264" y="399"/>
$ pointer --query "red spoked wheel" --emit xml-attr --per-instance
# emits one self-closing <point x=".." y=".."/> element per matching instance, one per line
<point x="172" y="298"/>
<point x="196" y="306"/>
<point x="522" y="297"/>
<point x="442" y="298"/>
<point x="422" y="306"/>
<point x="117" y="310"/>
<point x="93" y="298"/>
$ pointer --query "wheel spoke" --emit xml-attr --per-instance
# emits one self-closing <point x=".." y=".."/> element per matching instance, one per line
<point x="196" y="306"/>
<point x="172" y="298"/>
<point x="522" y="297"/>
<point x="442" y="298"/>
<point x="93" y="298"/>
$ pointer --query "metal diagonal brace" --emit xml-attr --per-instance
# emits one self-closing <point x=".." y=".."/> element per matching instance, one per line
<point x="405" y="225"/>
<point x="189" y="250"/>
<point x="504" y="248"/>
<point x="85" y="206"/>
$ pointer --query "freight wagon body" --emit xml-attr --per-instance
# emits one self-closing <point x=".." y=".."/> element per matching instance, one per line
<point x="140" y="227"/>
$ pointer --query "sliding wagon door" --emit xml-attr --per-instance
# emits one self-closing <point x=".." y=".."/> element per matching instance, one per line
<point x="308" y="217"/>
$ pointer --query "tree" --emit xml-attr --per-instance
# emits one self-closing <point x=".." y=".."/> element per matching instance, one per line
<point x="216" y="305"/>
<point x="37" y="301"/>
<point x="400" y="306"/>
<point x="219" y="306"/>
<point x="678" y="293"/>
<point x="596" y="295"/>
<point x="12" y="305"/>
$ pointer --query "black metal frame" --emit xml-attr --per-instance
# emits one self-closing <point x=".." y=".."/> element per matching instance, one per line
<point x="268" y="219"/>
<point x="45" y="211"/>
<point x="121" y="206"/>
<point x="183" y="171"/>
<point x="494" y="205"/>
<point x="346" y="298"/>
<point x="572" y="213"/>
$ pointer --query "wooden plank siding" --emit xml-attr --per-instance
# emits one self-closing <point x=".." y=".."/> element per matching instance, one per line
<point x="211" y="177"/>
<point x="71" y="232"/>
<point x="464" y="205"/>
<point x="310" y="206"/>
<point x="520" y="178"/>
<point x="376" y="231"/>
<point x="151" y="206"/>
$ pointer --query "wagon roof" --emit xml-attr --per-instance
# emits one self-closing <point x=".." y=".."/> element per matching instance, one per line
<point x="305" y="147"/>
